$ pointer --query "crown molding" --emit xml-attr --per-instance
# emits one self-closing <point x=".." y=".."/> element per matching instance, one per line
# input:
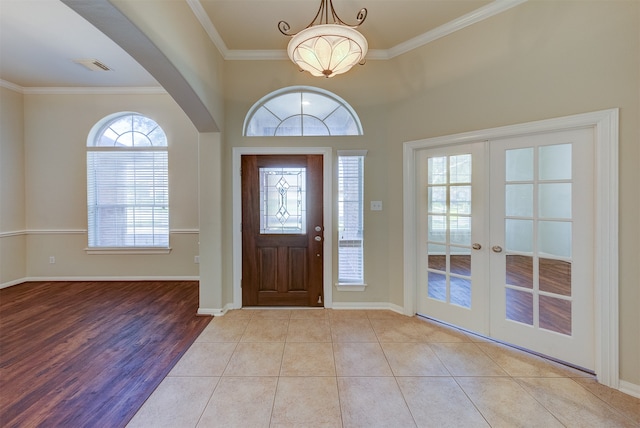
<point x="83" y="90"/>
<point x="494" y="8"/>
<point x="480" y="14"/>
<point x="206" y="23"/>
<point x="11" y="86"/>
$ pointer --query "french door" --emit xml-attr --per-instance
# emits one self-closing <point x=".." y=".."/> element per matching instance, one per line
<point x="451" y="230"/>
<point x="507" y="240"/>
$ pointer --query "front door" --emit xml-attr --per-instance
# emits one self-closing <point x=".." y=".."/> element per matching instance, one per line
<point x="282" y="230"/>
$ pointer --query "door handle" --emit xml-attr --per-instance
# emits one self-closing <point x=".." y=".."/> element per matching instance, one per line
<point x="318" y="238"/>
<point x="496" y="249"/>
<point x="476" y="246"/>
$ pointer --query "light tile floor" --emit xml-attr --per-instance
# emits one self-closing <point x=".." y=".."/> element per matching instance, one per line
<point x="344" y="368"/>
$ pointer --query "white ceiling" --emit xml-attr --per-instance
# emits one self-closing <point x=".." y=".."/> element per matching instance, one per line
<point x="39" y="39"/>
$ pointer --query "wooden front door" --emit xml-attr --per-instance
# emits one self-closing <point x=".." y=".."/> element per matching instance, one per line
<point x="282" y="230"/>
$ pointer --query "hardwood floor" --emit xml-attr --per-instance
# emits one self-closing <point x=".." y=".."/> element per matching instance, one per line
<point x="554" y="276"/>
<point x="87" y="354"/>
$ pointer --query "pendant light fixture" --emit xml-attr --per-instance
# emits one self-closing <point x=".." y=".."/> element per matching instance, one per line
<point x="327" y="46"/>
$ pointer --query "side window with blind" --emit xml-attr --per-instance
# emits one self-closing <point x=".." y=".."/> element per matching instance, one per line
<point x="350" y="219"/>
<point x="127" y="184"/>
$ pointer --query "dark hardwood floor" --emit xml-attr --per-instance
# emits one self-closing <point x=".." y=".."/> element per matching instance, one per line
<point x="88" y="354"/>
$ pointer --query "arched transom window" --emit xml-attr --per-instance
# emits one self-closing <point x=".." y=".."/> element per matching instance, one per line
<point x="127" y="183"/>
<point x="301" y="111"/>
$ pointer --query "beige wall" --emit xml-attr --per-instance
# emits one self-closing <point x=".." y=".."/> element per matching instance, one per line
<point x="12" y="194"/>
<point x="55" y="175"/>
<point x="536" y="61"/>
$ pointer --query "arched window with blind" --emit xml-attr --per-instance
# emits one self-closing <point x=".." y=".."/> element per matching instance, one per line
<point x="127" y="183"/>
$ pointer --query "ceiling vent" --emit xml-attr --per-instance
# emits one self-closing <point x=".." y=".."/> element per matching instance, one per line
<point x="92" y="64"/>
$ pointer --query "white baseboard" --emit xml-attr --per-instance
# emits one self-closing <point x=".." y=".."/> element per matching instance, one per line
<point x="368" y="305"/>
<point x="215" y="312"/>
<point x="99" y="278"/>
<point x="630" y="388"/>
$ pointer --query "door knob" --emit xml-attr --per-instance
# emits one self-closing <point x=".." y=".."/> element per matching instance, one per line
<point x="496" y="249"/>
<point x="318" y="229"/>
<point x="318" y="238"/>
<point x="476" y="246"/>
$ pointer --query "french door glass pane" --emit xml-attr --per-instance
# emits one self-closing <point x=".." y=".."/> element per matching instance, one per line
<point x="555" y="276"/>
<point x="519" y="270"/>
<point x="519" y="235"/>
<point x="519" y="200"/>
<point x="519" y="306"/>
<point x="554" y="200"/>
<point x="555" y="162"/>
<point x="519" y="164"/>
<point x="555" y="314"/>
<point x="437" y="286"/>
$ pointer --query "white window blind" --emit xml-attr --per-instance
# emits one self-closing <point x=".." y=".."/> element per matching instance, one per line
<point x="128" y="185"/>
<point x="350" y="217"/>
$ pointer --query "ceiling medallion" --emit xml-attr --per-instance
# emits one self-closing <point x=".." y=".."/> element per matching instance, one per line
<point x="327" y="48"/>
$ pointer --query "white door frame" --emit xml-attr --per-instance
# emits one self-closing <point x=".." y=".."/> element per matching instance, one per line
<point x="605" y="124"/>
<point x="327" y="191"/>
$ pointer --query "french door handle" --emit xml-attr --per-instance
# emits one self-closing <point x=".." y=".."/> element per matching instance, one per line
<point x="496" y="249"/>
<point x="476" y="246"/>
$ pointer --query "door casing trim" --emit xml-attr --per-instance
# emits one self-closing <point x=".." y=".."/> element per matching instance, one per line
<point x="606" y="136"/>
<point x="327" y="191"/>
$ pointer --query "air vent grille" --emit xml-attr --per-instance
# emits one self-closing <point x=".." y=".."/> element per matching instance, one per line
<point x="92" y="64"/>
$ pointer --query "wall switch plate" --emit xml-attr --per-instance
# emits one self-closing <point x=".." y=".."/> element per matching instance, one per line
<point x="196" y="259"/>
<point x="52" y="260"/>
<point x="376" y="205"/>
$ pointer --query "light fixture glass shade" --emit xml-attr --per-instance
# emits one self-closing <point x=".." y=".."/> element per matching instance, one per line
<point x="327" y="49"/>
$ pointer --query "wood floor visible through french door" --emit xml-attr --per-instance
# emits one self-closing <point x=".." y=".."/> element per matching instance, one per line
<point x="88" y="354"/>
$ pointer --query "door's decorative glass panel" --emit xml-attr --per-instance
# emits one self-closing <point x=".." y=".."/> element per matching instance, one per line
<point x="519" y="235"/>
<point x="519" y="164"/>
<point x="460" y="169"/>
<point x="449" y="193"/>
<point x="437" y="257"/>
<point x="437" y="199"/>
<point x="519" y="200"/>
<point x="554" y="238"/>
<point x="554" y="200"/>
<point x="519" y="270"/>
<point x="283" y="200"/>
<point x="460" y="260"/>
<point x="555" y="162"/>
<point x="519" y="306"/>
<point x="460" y="291"/>
<point x="555" y="314"/>
<point x="437" y="286"/>
<point x="555" y="276"/>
